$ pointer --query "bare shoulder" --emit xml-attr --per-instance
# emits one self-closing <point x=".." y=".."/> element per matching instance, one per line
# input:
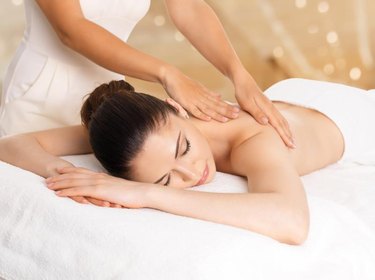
<point x="266" y="162"/>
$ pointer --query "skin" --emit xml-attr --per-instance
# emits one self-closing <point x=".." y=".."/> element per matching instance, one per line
<point x="274" y="206"/>
<point x="207" y="36"/>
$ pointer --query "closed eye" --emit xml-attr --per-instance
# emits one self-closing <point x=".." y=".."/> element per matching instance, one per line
<point x="188" y="146"/>
<point x="168" y="180"/>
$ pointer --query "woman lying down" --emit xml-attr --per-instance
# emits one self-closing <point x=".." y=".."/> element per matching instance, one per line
<point x="154" y="153"/>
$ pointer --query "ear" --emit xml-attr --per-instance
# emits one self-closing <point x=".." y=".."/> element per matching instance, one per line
<point x="179" y="108"/>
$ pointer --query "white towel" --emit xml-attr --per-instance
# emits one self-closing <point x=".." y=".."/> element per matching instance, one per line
<point x="43" y="236"/>
<point x="351" y="109"/>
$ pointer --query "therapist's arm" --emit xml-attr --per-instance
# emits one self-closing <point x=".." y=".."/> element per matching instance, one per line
<point x="96" y="43"/>
<point x="105" y="49"/>
<point x="201" y="26"/>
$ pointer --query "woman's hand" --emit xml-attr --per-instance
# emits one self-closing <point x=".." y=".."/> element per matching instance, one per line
<point x="53" y="169"/>
<point x="252" y="100"/>
<point x="197" y="99"/>
<point x="81" y="182"/>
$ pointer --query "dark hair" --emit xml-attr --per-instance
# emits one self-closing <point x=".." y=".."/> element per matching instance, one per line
<point x="119" y="120"/>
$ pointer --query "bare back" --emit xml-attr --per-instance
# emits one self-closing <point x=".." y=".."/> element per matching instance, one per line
<point x="319" y="141"/>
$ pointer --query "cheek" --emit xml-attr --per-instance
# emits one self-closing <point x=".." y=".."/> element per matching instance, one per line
<point x="178" y="183"/>
<point x="203" y="148"/>
<point x="146" y="172"/>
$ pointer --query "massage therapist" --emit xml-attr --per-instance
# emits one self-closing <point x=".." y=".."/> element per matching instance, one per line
<point x="72" y="46"/>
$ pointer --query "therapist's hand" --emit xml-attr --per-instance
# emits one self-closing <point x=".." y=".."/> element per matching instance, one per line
<point x="197" y="99"/>
<point x="252" y="100"/>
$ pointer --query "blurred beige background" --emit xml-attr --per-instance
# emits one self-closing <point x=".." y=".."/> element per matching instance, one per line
<point x="327" y="40"/>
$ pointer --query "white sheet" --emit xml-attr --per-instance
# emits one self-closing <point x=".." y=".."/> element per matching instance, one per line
<point x="46" y="237"/>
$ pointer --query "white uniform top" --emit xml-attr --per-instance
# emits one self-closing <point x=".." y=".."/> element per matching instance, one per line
<point x="351" y="109"/>
<point x="45" y="83"/>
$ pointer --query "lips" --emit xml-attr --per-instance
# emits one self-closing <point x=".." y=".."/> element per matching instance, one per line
<point x="204" y="176"/>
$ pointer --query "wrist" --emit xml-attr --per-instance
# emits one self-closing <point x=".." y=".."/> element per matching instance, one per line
<point x="243" y="79"/>
<point x="51" y="167"/>
<point x="151" y="195"/>
<point x="167" y="75"/>
<point x="239" y="74"/>
<point x="163" y="198"/>
<point x="236" y="71"/>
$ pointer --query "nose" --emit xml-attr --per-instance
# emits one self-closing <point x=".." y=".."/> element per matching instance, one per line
<point x="188" y="171"/>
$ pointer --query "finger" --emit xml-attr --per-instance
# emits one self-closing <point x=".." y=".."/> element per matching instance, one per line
<point x="97" y="202"/>
<point x="219" y="110"/>
<point x="69" y="169"/>
<point x="282" y="128"/>
<point x="274" y="115"/>
<point x="264" y="112"/>
<point x="59" y="184"/>
<point x="70" y="183"/>
<point x="106" y="204"/>
<point x="71" y="178"/>
<point x="223" y="103"/>
<point x="278" y="122"/>
<point x="213" y="94"/>
<point x="199" y="114"/>
<point x="211" y="113"/>
<point x="254" y="110"/>
<point x="80" y="199"/>
<point x="66" y="176"/>
<point x="86" y="191"/>
<point x="115" y="205"/>
<point x="283" y="124"/>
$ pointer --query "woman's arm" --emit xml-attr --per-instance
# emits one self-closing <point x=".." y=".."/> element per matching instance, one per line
<point x="200" y="25"/>
<point x="276" y="205"/>
<point x="39" y="151"/>
<point x="110" y="52"/>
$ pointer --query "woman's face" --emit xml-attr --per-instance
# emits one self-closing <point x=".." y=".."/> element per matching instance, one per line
<point x="176" y="155"/>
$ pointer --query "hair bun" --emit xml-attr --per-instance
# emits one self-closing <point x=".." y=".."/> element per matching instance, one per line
<point x="100" y="95"/>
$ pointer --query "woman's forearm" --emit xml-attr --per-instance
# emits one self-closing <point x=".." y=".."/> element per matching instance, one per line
<point x="279" y="215"/>
<point x="270" y="214"/>
<point x="25" y="152"/>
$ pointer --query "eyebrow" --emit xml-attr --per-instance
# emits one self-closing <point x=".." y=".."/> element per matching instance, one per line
<point x="175" y="156"/>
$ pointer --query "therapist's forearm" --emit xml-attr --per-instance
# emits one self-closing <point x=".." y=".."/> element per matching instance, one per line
<point x="25" y="152"/>
<point x="110" y="52"/>
<point x="201" y="26"/>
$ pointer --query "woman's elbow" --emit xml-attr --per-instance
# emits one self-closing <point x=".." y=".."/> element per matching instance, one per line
<point x="298" y="229"/>
<point x="298" y="237"/>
